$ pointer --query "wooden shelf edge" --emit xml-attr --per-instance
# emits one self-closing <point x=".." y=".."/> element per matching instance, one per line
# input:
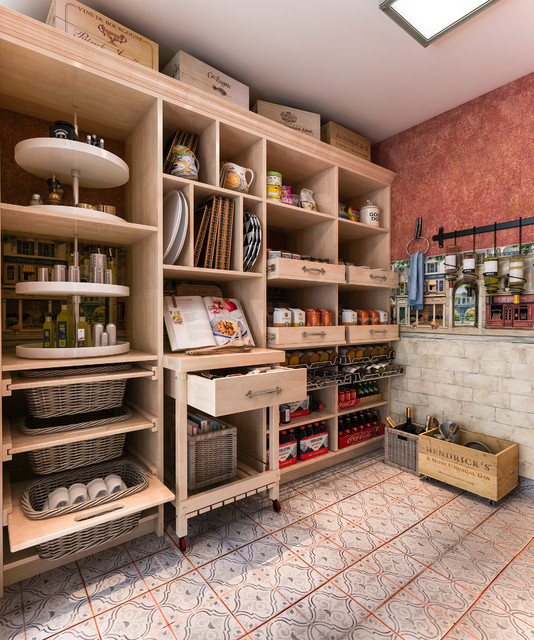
<point x="7" y="504"/>
<point x="362" y="407"/>
<point x="313" y="416"/>
<point x="215" y="275"/>
<point x="25" y="533"/>
<point x="305" y="467"/>
<point x="258" y="356"/>
<point x="11" y="362"/>
<point x="22" y="443"/>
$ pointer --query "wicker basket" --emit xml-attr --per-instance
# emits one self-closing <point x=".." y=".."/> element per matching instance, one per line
<point x="401" y="450"/>
<point x="76" y="371"/>
<point x="36" y="492"/>
<point x="76" y="454"/>
<point x="84" y="397"/>
<point x="211" y="457"/>
<point x="83" y="540"/>
<point x="37" y="427"/>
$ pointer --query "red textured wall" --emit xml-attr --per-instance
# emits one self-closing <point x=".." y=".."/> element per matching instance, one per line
<point x="472" y="165"/>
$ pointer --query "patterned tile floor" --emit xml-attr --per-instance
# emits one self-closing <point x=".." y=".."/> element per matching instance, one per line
<point x="360" y="551"/>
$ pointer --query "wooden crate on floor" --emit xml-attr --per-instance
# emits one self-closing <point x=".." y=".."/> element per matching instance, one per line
<point x="489" y="475"/>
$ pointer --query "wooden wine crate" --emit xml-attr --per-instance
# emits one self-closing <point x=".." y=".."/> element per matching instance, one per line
<point x="90" y="26"/>
<point x="347" y="140"/>
<point x="490" y="475"/>
<point x="196" y="73"/>
<point x="305" y="122"/>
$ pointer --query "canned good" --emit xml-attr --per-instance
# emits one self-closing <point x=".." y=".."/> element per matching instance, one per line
<point x="274" y="185"/>
<point x="327" y="318"/>
<point x="313" y="317"/>
<point x="375" y="317"/>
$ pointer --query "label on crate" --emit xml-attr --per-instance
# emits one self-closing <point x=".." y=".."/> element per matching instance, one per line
<point x="299" y="408"/>
<point x="361" y="436"/>
<point x="313" y="446"/>
<point x="347" y="404"/>
<point x="287" y="454"/>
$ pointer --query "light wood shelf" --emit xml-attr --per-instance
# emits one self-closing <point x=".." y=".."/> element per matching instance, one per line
<point x="313" y="416"/>
<point x="350" y="230"/>
<point x="290" y="218"/>
<point x="362" y="407"/>
<point x="177" y="272"/>
<point x="38" y="221"/>
<point x="11" y="362"/>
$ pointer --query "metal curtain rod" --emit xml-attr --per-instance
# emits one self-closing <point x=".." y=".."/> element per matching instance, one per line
<point x="496" y="226"/>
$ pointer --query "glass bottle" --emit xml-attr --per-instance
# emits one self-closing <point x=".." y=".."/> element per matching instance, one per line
<point x="49" y="338"/>
<point x="83" y="333"/>
<point x="64" y="327"/>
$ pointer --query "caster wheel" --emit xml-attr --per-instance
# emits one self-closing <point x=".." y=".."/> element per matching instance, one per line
<point x="182" y="544"/>
<point x="491" y="503"/>
<point x="276" y="506"/>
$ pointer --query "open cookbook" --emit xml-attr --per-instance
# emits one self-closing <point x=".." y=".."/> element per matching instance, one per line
<point x="194" y="321"/>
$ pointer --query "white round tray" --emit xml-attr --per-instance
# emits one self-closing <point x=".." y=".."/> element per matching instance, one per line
<point x="38" y="352"/>
<point x="46" y="156"/>
<point x="78" y="211"/>
<point x="73" y="289"/>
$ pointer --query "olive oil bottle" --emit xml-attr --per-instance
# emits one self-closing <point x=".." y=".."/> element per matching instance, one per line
<point x="49" y="333"/>
<point x="83" y="333"/>
<point x="64" y="327"/>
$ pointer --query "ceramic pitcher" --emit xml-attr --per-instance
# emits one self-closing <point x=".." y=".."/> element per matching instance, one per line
<point x="234" y="177"/>
<point x="185" y="163"/>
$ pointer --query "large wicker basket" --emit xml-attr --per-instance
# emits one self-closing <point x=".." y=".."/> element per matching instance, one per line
<point x="36" y="492"/>
<point x="401" y="450"/>
<point x="211" y="457"/>
<point x="76" y="454"/>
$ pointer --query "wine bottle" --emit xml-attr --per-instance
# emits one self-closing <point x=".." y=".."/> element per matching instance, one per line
<point x="391" y="423"/>
<point x="409" y="426"/>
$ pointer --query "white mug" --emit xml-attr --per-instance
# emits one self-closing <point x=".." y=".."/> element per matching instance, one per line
<point x="234" y="177"/>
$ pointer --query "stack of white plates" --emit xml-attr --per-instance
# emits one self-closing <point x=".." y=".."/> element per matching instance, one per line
<point x="251" y="240"/>
<point x="175" y="221"/>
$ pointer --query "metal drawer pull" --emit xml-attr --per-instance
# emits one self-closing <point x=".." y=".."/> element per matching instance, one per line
<point x="251" y="394"/>
<point x="372" y="275"/>
<point x="378" y="331"/>
<point x="317" y="269"/>
<point x="305" y="334"/>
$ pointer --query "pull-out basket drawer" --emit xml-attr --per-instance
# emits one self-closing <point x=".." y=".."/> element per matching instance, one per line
<point x="236" y="393"/>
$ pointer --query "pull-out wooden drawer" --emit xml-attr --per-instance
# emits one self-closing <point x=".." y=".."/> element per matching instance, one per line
<point x="294" y="273"/>
<point x="372" y="333"/>
<point x="372" y="277"/>
<point x="306" y="337"/>
<point x="220" y="396"/>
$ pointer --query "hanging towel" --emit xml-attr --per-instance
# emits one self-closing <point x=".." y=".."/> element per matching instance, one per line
<point x="415" y="281"/>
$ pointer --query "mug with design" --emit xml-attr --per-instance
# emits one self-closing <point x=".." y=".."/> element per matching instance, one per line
<point x="185" y="163"/>
<point x="234" y="177"/>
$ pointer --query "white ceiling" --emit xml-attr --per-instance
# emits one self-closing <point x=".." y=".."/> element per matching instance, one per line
<point x="343" y="59"/>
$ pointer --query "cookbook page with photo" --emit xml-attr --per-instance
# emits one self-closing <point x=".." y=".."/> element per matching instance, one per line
<point x="188" y="325"/>
<point x="227" y="319"/>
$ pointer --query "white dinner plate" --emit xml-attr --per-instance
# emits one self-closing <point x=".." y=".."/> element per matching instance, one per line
<point x="172" y="210"/>
<point x="181" y="235"/>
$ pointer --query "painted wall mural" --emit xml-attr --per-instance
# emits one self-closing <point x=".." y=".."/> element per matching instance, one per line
<point x="471" y="165"/>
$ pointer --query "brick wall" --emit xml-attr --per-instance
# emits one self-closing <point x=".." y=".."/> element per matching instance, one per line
<point x="482" y="383"/>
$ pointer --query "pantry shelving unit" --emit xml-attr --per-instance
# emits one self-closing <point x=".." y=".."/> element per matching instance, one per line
<point x="137" y="110"/>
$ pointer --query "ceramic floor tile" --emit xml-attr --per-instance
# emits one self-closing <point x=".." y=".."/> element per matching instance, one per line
<point x="298" y="536"/>
<point x="474" y="503"/>
<point x="409" y="479"/>
<point x="12" y="599"/>
<point x="210" y="623"/>
<point x="412" y="619"/>
<point x="372" y="629"/>
<point x="327" y="558"/>
<point x="12" y="626"/>
<point x="288" y="625"/>
<point x="528" y="552"/>
<point x="460" y="517"/>
<point x="294" y="579"/>
<point x="521" y="570"/>
<point x="147" y="545"/>
<point x="404" y="513"/>
<point x="446" y="597"/>
<point x="300" y="506"/>
<point x="423" y="501"/>
<point x="523" y="504"/>
<point x="512" y="598"/>
<point x="487" y="622"/>
<point x="255" y="603"/>
<point x="265" y="553"/>
<point x="136" y="619"/>
<point x="179" y="597"/>
<point x="330" y="611"/>
<point x="427" y="541"/>
<point x="224" y="515"/>
<point x="483" y="550"/>
<point x="394" y="489"/>
<point x="205" y="548"/>
<point x="502" y="535"/>
<point x="372" y="497"/>
<point x="457" y="633"/>
<point x="352" y="509"/>
<point x="382" y="526"/>
<point x="442" y="491"/>
<point x="346" y="485"/>
<point x="102" y="562"/>
<point x="254" y="503"/>
<point x="357" y="541"/>
<point x="383" y="470"/>
<point x="271" y="520"/>
<point x="365" y="585"/>
<point x="227" y="573"/>
<point x="395" y="565"/>
<point x="240" y="531"/>
<point x="326" y="522"/>
<point x="365" y="476"/>
<point x="114" y="588"/>
<point x="326" y="495"/>
<point x="514" y="520"/>
<point x="56" y="582"/>
<point x="84" y="631"/>
<point x="163" y="566"/>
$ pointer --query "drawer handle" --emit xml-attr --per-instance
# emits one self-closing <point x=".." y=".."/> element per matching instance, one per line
<point x="373" y="276"/>
<point x="306" y="334"/>
<point x="251" y="394"/>
<point x="378" y="331"/>
<point x="316" y="269"/>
